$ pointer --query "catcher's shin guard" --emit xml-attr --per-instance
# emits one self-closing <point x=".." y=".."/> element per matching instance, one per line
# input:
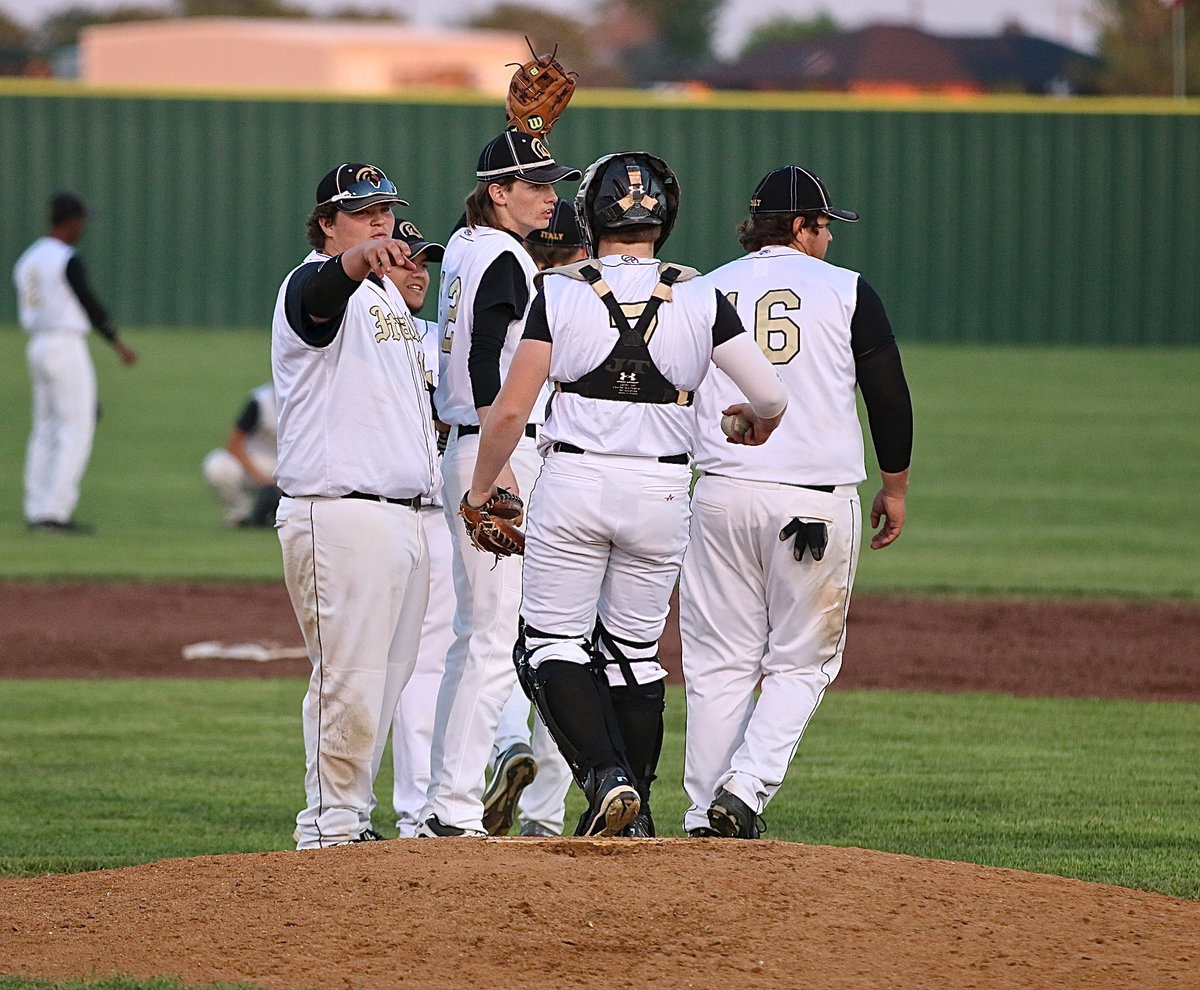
<point x="575" y="705"/>
<point x="639" y="709"/>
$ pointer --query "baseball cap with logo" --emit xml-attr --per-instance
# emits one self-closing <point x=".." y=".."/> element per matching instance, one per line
<point x="406" y="230"/>
<point x="792" y="189"/>
<point x="522" y="156"/>
<point x="354" y="186"/>
<point x="563" y="230"/>
<point x="66" y="206"/>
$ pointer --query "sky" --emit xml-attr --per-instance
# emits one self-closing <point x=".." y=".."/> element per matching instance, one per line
<point x="1065" y="21"/>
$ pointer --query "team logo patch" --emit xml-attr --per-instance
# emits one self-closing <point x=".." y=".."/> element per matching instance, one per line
<point x="409" y="229"/>
<point x="539" y="149"/>
<point x="369" y="173"/>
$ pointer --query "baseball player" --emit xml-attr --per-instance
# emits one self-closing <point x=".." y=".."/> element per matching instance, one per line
<point x="485" y="290"/>
<point x="356" y="453"/>
<point x="240" y="472"/>
<point x="412" y="726"/>
<point x="625" y="340"/>
<point x="540" y="801"/>
<point x="57" y="308"/>
<point x="775" y="537"/>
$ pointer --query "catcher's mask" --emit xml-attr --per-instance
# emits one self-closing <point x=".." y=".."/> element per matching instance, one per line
<point x="629" y="189"/>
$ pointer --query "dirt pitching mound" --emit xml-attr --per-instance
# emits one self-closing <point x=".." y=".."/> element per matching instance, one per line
<point x="536" y="913"/>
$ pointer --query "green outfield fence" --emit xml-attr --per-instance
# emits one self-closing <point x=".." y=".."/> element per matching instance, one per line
<point x="1008" y="220"/>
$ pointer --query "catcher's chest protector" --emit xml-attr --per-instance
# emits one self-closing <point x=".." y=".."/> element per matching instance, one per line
<point x="629" y="374"/>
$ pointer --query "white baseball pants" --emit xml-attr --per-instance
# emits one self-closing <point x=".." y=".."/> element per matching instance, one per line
<point x="750" y="613"/>
<point x="480" y="674"/>
<point x="357" y="573"/>
<point x="232" y="485"/>
<point x="64" y="423"/>
<point x="543" y="800"/>
<point x="606" y="535"/>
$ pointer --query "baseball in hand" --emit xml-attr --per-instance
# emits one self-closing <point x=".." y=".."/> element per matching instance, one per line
<point x="734" y="425"/>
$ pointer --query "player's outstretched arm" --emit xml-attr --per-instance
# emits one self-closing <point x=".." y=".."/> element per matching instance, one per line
<point x="377" y="257"/>
<point x="504" y="422"/>
<point x="889" y="508"/>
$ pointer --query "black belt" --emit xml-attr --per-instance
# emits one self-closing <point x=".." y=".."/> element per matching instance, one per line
<point x="472" y="428"/>
<point x="811" y="488"/>
<point x="570" y="448"/>
<point x="412" y="503"/>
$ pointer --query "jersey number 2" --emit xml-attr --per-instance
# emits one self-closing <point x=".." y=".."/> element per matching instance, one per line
<point x="776" y="333"/>
<point x="452" y="295"/>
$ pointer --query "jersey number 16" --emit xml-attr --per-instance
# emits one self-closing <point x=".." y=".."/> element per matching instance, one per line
<point x="776" y="333"/>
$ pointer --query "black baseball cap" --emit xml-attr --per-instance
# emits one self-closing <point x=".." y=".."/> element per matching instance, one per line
<point x="67" y="206"/>
<point x="406" y="230"/>
<point x="522" y="156"/>
<point x="792" y="189"/>
<point x="563" y="230"/>
<point x="355" y="185"/>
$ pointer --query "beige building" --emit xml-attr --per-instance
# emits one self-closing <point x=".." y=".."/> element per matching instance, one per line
<point x="330" y="56"/>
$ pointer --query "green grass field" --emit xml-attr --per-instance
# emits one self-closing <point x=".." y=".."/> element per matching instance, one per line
<point x="1037" y="472"/>
<point x="109" y="773"/>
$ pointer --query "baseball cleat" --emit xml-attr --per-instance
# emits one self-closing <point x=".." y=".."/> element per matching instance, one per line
<point x="613" y="803"/>
<point x="432" y="828"/>
<point x="703" y="832"/>
<point x="538" y="830"/>
<point x="514" y="771"/>
<point x="368" y="835"/>
<point x="642" y="826"/>
<point x="731" y="818"/>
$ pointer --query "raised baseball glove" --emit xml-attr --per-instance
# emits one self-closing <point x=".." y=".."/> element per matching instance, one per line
<point x="539" y="91"/>
<point x="492" y="526"/>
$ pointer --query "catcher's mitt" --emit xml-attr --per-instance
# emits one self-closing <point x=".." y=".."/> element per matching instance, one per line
<point x="492" y="526"/>
<point x="539" y="91"/>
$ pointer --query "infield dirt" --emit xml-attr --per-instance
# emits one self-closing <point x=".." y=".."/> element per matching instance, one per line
<point x="517" y="913"/>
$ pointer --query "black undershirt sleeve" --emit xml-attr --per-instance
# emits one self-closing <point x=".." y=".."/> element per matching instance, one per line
<point x="727" y="324"/>
<point x="502" y="296"/>
<point x="97" y="314"/>
<point x="247" y="420"/>
<point x="320" y="289"/>
<point x="537" y="325"/>
<point x="881" y="381"/>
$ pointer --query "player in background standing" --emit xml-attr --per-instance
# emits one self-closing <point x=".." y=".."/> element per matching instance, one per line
<point x="485" y="291"/>
<point x="412" y="726"/>
<point x="775" y="535"/>
<point x="240" y="472"/>
<point x="57" y="307"/>
<point x="541" y="802"/>
<point x="356" y="453"/>
<point x="607" y="522"/>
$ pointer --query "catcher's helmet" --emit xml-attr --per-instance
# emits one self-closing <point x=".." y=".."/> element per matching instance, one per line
<point x="629" y="189"/>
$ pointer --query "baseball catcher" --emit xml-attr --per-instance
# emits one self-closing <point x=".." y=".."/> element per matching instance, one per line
<point x="538" y="93"/>
<point x="492" y="526"/>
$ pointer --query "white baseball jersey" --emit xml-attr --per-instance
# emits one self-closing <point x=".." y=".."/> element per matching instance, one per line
<point x="45" y="299"/>
<point x="799" y="309"/>
<point x="469" y="254"/>
<point x="364" y="423"/>
<point x="680" y="344"/>
<point x="261" y="443"/>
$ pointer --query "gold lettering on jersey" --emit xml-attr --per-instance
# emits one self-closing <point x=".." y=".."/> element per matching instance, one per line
<point x="392" y="326"/>
<point x="778" y="335"/>
<point x="452" y="296"/>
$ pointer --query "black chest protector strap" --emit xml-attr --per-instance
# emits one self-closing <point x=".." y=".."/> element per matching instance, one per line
<point x="629" y="374"/>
